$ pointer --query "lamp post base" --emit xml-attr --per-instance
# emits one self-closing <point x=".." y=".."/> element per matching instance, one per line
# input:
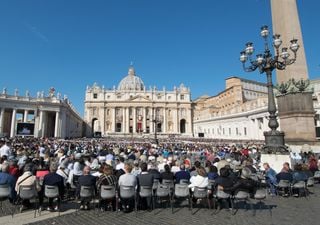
<point x="274" y="143"/>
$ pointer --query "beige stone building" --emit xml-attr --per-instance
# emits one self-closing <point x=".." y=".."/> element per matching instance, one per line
<point x="46" y="115"/>
<point x="133" y="109"/>
<point x="239" y="112"/>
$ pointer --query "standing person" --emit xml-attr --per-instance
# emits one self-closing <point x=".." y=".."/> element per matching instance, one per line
<point x="271" y="178"/>
<point x="86" y="180"/>
<point x="5" y="150"/>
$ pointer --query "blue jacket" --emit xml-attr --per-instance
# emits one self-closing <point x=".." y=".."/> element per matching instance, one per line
<point x="6" y="178"/>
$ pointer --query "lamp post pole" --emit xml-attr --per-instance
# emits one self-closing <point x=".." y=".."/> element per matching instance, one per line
<point x="266" y="63"/>
<point x="155" y="121"/>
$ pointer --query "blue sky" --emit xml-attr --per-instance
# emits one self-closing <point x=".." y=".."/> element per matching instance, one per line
<point x="69" y="44"/>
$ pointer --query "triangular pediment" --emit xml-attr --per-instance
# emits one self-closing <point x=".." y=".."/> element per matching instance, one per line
<point x="139" y="98"/>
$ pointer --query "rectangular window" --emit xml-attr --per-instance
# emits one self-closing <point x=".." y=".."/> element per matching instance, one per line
<point x="245" y="131"/>
<point x="229" y="131"/>
<point x="237" y="131"/>
<point x="181" y="97"/>
<point x="95" y="95"/>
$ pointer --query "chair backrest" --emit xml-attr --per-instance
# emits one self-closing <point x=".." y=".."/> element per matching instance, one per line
<point x="168" y="182"/>
<point x="163" y="190"/>
<point x="181" y="190"/>
<point x="299" y="184"/>
<point x="260" y="194"/>
<point x="184" y="181"/>
<point x="222" y="194"/>
<point x="107" y="191"/>
<point x="4" y="190"/>
<point x="211" y="184"/>
<point x="127" y="191"/>
<point x="317" y="174"/>
<point x="310" y="181"/>
<point x="86" y="192"/>
<point x="27" y="191"/>
<point x="145" y="191"/>
<point x="51" y="191"/>
<point x="242" y="195"/>
<point x="284" y="184"/>
<point x="200" y="192"/>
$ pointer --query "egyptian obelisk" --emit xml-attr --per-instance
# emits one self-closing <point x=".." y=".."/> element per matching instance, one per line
<point x="295" y="109"/>
<point x="285" y="21"/>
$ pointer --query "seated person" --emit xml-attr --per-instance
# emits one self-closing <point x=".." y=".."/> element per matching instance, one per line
<point x="213" y="172"/>
<point x="127" y="179"/>
<point x="271" y="179"/>
<point x="53" y="179"/>
<point x="200" y="180"/>
<point x="145" y="179"/>
<point x="106" y="178"/>
<point x="244" y="183"/>
<point x="7" y="178"/>
<point x="86" y="180"/>
<point x="223" y="182"/>
<point x="182" y="174"/>
<point x="167" y="174"/>
<point x="27" y="178"/>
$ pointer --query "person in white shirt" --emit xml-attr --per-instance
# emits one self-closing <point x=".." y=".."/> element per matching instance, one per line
<point x="5" y="150"/>
<point x="200" y="180"/>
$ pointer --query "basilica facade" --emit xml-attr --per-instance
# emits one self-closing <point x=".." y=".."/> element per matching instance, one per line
<point x="132" y="109"/>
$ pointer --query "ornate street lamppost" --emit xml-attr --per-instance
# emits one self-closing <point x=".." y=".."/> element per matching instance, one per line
<point x="156" y="120"/>
<point x="266" y="63"/>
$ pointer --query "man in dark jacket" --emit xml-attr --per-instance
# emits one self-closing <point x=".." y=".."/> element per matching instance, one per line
<point x="53" y="179"/>
<point x="182" y="174"/>
<point x="86" y="180"/>
<point x="145" y="179"/>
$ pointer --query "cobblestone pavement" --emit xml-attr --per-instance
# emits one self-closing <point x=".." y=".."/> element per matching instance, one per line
<point x="284" y="211"/>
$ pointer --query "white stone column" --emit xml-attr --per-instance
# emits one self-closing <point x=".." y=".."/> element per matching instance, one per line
<point x="40" y="128"/>
<point x="113" y="128"/>
<point x="1" y="120"/>
<point x="127" y="125"/>
<point x="57" y="125"/>
<point x="134" y="126"/>
<point x="25" y="116"/>
<point x="13" y="123"/>
<point x="123" y="126"/>
<point x="176" y="124"/>
<point x="164" y="130"/>
<point x="144" y="117"/>
<point x="151" y="120"/>
<point x="63" y="125"/>
<point x="189" y="122"/>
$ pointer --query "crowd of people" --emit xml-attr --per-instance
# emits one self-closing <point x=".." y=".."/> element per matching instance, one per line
<point x="70" y="164"/>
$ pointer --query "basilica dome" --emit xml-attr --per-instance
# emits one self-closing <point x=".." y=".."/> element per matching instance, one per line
<point x="131" y="82"/>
